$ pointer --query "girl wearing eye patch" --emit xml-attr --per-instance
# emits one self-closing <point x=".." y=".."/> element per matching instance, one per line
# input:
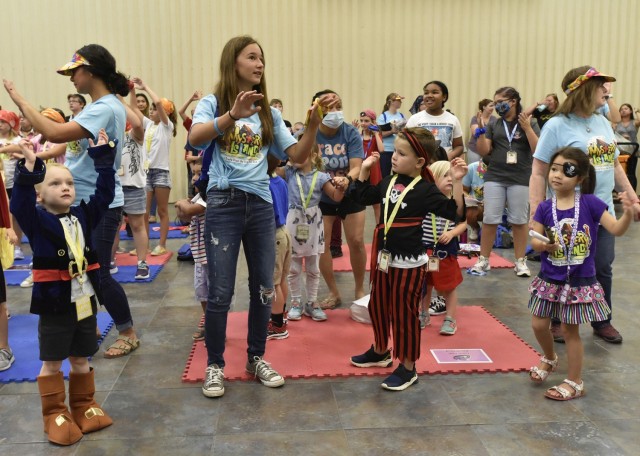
<point x="566" y="287"/>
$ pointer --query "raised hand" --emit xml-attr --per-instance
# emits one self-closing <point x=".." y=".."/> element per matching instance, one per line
<point x="371" y="160"/>
<point x="459" y="168"/>
<point x="28" y="152"/>
<point x="103" y="138"/>
<point x="244" y="104"/>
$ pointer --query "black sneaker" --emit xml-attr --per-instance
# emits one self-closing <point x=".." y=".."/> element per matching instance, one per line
<point x="143" y="271"/>
<point x="401" y="379"/>
<point x="438" y="306"/>
<point x="371" y="359"/>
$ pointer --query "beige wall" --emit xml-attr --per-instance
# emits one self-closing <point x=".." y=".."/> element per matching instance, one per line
<point x="362" y="49"/>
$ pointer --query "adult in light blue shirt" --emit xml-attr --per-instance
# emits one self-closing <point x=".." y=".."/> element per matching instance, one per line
<point x="390" y="121"/>
<point x="577" y="124"/>
<point x="92" y="70"/>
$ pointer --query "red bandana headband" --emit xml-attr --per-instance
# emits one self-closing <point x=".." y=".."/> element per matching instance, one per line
<point x="417" y="147"/>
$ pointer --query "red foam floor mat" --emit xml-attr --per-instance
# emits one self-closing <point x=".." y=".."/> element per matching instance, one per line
<point x="343" y="263"/>
<point x="322" y="349"/>
<point x="124" y="259"/>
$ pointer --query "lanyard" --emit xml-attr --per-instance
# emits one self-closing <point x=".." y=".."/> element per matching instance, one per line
<point x="305" y="201"/>
<point x="389" y="221"/>
<point x="506" y="130"/>
<point x="75" y="245"/>
<point x="434" y="228"/>
<point x="151" y="131"/>
<point x="574" y="228"/>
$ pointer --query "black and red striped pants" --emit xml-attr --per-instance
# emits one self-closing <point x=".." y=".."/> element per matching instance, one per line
<point x="395" y="302"/>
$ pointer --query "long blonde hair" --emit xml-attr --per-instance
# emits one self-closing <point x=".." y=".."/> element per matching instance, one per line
<point x="226" y="90"/>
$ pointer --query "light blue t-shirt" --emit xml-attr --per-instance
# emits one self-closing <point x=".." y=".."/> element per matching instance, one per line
<point x="594" y="136"/>
<point x="305" y="180"/>
<point x="475" y="180"/>
<point x="107" y="112"/>
<point x="385" y="118"/>
<point x="243" y="164"/>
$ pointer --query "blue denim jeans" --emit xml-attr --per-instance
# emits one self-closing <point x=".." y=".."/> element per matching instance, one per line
<point x="114" y="298"/>
<point x="233" y="217"/>
<point x="605" y="254"/>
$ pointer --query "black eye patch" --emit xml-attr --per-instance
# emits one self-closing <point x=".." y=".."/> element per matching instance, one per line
<point x="569" y="169"/>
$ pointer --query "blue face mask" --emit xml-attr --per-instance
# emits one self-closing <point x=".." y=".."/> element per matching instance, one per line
<point x="502" y="108"/>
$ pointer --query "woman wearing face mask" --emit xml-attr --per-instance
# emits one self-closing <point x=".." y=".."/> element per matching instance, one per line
<point x="342" y="153"/>
<point x="510" y="143"/>
<point x="578" y="123"/>
<point x="444" y="125"/>
<point x="484" y="117"/>
<point x="390" y="121"/>
<point x="544" y="110"/>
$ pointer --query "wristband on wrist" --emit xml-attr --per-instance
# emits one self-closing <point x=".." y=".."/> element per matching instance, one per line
<point x="216" y="127"/>
<point x="350" y="179"/>
<point x="232" y="118"/>
<point x="479" y="131"/>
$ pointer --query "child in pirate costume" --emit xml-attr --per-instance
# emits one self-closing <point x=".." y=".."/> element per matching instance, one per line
<point x="398" y="256"/>
<point x="66" y="283"/>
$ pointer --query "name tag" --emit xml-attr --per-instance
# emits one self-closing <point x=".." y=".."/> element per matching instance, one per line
<point x="83" y="307"/>
<point x="384" y="260"/>
<point x="512" y="158"/>
<point x="434" y="264"/>
<point x="302" y="232"/>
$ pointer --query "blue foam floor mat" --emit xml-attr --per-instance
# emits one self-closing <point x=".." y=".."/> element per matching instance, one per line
<point x="155" y="234"/>
<point x="23" y="340"/>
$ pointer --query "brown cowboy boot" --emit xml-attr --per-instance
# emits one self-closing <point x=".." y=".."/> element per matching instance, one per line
<point x="58" y="422"/>
<point x="85" y="410"/>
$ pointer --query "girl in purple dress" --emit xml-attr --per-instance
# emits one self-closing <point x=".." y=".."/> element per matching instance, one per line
<point x="566" y="287"/>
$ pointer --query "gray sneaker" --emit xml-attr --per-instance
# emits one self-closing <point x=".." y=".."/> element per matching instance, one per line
<point x="262" y="370"/>
<point x="295" y="312"/>
<point x="213" y="385"/>
<point x="6" y="358"/>
<point x="481" y="267"/>
<point x="316" y="313"/>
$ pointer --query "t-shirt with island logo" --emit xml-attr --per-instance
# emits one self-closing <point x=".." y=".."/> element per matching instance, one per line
<point x="582" y="258"/>
<point x="594" y="136"/>
<point x="242" y="163"/>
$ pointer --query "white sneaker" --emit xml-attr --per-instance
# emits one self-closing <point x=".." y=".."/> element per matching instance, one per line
<point x="472" y="235"/>
<point x="28" y="282"/>
<point x="18" y="254"/>
<point x="521" y="268"/>
<point x="481" y="267"/>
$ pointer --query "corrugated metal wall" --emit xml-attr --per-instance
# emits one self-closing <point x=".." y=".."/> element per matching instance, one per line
<point x="362" y="49"/>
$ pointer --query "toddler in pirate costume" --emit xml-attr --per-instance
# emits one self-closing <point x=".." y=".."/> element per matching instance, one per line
<point x="66" y="283"/>
<point x="398" y="256"/>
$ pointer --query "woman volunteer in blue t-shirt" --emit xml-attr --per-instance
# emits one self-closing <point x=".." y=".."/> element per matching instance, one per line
<point x="239" y="204"/>
<point x="92" y="70"/>
<point x="578" y="124"/>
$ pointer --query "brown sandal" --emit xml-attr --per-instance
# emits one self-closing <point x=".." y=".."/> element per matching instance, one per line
<point x="330" y="302"/>
<point x="123" y="343"/>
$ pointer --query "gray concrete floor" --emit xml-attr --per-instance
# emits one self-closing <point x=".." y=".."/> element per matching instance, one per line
<point x="484" y="414"/>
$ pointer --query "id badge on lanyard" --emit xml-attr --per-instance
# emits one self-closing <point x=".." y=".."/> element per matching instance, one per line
<point x="512" y="156"/>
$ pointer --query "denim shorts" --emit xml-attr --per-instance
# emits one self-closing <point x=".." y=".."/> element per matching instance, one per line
<point x="497" y="196"/>
<point x="201" y="281"/>
<point x="135" y="200"/>
<point x="158" y="178"/>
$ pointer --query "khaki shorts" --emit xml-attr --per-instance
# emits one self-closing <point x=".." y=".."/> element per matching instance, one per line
<point x="283" y="255"/>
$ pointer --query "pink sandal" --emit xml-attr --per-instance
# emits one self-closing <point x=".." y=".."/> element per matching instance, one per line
<point x="542" y="373"/>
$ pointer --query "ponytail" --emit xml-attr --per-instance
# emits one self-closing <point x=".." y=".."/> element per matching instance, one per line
<point x="588" y="185"/>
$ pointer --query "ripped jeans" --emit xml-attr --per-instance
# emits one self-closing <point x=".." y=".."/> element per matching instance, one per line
<point x="234" y="216"/>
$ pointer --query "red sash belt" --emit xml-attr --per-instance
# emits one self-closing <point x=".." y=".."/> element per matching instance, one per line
<point x="400" y="223"/>
<point x="56" y="275"/>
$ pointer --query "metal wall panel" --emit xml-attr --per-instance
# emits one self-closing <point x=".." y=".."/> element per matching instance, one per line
<point x="363" y="49"/>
